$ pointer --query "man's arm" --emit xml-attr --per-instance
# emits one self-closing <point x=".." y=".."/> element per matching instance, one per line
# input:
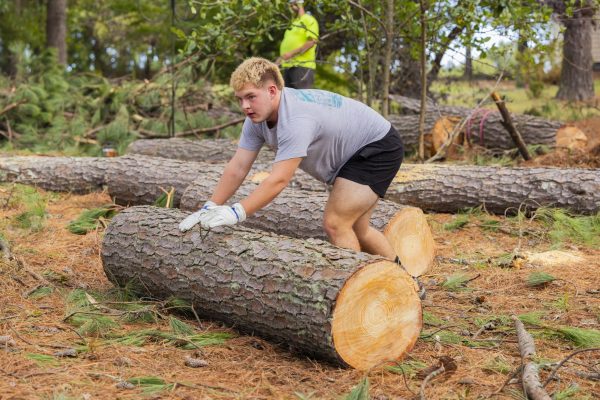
<point x="278" y="179"/>
<point x="300" y="50"/>
<point x="234" y="174"/>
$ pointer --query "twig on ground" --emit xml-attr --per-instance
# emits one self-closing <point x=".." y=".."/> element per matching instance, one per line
<point x="507" y="381"/>
<point x="564" y="360"/>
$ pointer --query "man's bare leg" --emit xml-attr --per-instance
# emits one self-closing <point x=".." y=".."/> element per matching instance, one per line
<point x="348" y="202"/>
<point x="371" y="240"/>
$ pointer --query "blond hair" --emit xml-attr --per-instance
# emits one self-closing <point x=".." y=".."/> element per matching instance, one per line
<point x="256" y="71"/>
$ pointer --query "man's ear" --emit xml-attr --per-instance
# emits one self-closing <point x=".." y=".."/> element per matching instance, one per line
<point x="272" y="90"/>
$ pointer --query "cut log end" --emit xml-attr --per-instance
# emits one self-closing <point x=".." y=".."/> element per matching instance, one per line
<point x="410" y="236"/>
<point x="377" y="316"/>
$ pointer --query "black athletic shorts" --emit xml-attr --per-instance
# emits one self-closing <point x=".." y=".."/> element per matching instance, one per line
<point x="299" y="77"/>
<point x="376" y="164"/>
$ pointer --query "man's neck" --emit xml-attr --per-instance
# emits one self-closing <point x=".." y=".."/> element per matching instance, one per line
<point x="272" y="120"/>
<point x="301" y="11"/>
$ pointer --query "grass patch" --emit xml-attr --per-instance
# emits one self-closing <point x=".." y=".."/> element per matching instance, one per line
<point x="89" y="220"/>
<point x="35" y="208"/>
<point x="584" y="230"/>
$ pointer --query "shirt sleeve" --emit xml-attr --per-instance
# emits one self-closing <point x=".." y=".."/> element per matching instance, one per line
<point x="312" y="27"/>
<point x="251" y="139"/>
<point x="294" y="139"/>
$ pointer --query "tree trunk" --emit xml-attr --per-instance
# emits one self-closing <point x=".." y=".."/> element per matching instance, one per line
<point x="137" y="180"/>
<point x="59" y="174"/>
<point x="56" y="28"/>
<point x="449" y="188"/>
<point x="387" y="63"/>
<point x="347" y="307"/>
<point x="576" y="77"/>
<point x="299" y="213"/>
<point x="468" y="73"/>
<point x="491" y="133"/>
<point x="207" y="150"/>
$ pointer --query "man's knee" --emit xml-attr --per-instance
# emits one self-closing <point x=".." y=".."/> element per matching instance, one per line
<point x="333" y="226"/>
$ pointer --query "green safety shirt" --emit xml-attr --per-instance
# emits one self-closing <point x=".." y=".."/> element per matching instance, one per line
<point x="301" y="30"/>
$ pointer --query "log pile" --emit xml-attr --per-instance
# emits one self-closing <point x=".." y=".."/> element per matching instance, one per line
<point x="350" y="308"/>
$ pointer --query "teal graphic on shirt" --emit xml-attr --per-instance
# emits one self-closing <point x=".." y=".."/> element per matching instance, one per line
<point x="320" y="97"/>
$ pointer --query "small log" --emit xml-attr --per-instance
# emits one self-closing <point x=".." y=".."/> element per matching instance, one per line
<point x="299" y="213"/>
<point x="350" y="308"/>
<point x="510" y="127"/>
<point x="531" y="380"/>
<point x="59" y="174"/>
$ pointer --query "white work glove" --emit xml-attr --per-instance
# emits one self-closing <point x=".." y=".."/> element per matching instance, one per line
<point x="224" y="215"/>
<point x="191" y="220"/>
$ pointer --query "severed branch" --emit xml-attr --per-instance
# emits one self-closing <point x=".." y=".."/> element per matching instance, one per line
<point x="531" y="380"/>
<point x="564" y="360"/>
<point x="510" y="127"/>
<point x="191" y="132"/>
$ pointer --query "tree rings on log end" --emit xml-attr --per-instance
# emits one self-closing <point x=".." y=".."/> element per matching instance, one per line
<point x="377" y="316"/>
<point x="410" y="236"/>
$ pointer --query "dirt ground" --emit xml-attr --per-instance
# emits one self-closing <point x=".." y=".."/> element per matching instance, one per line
<point x="247" y="367"/>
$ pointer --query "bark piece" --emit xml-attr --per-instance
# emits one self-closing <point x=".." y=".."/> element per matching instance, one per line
<point x="534" y="130"/>
<point x="347" y="307"/>
<point x="450" y="188"/>
<point x="298" y="213"/>
<point x="59" y="174"/>
<point x="207" y="150"/>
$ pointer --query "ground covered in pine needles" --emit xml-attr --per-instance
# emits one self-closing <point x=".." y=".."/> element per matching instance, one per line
<point x="67" y="333"/>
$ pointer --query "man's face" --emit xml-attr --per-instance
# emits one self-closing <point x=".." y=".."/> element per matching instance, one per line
<point x="294" y="6"/>
<point x="257" y="102"/>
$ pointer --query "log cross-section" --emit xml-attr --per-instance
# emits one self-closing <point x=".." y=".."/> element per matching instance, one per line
<point x="347" y="307"/>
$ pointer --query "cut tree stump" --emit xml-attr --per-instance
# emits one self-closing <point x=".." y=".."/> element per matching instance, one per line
<point x="347" y="307"/>
<point x="451" y="188"/>
<point x="299" y="213"/>
<point x="59" y="174"/>
<point x="215" y="151"/>
<point x="534" y="130"/>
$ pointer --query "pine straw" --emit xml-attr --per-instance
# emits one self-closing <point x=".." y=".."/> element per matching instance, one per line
<point x="247" y="367"/>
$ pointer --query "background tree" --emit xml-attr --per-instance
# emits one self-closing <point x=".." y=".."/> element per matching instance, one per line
<point x="56" y="28"/>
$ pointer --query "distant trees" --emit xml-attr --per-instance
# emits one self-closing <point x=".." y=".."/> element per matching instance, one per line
<point x="56" y="28"/>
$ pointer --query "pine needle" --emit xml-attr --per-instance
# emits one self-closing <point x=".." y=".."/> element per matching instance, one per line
<point x="88" y="219"/>
<point x="41" y="359"/>
<point x="459" y="222"/>
<point x="40" y="292"/>
<point x="360" y="392"/>
<point x="580" y="337"/>
<point x="566" y="227"/>
<point x="151" y="384"/>
<point x="181" y="328"/>
<point x="455" y="282"/>
<point x="537" y="279"/>
<point x="408" y="368"/>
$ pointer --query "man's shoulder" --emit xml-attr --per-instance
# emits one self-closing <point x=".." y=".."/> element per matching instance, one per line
<point x="308" y="18"/>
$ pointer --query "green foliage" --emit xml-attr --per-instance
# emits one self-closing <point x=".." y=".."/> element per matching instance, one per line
<point x="41" y="360"/>
<point x="499" y="364"/>
<point x="455" y="283"/>
<point x="88" y="220"/>
<point x="408" y="368"/>
<point x="536" y="279"/>
<point x="82" y="314"/>
<point x="360" y="392"/>
<point x="184" y="341"/>
<point x="565" y="227"/>
<point x="166" y="199"/>
<point x="35" y="208"/>
<point x="459" y="221"/>
<point x="580" y="337"/>
<point x="181" y="328"/>
<point x="40" y="292"/>
<point x="432" y="319"/>
<point x="151" y="384"/>
<point x="570" y="393"/>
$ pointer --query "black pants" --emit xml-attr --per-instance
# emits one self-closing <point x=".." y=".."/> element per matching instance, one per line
<point x="376" y="164"/>
<point x="299" y="77"/>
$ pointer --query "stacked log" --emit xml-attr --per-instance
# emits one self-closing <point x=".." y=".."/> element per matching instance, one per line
<point x="214" y="151"/>
<point x="351" y="308"/>
<point x="299" y="214"/>
<point x="485" y="126"/>
<point x="451" y="188"/>
<point x="59" y="174"/>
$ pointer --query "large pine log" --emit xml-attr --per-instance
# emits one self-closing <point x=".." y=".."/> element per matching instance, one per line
<point x="493" y="136"/>
<point x="347" y="307"/>
<point x="137" y="180"/>
<point x="299" y="213"/>
<point x="207" y="150"/>
<point x="450" y="188"/>
<point x="59" y="174"/>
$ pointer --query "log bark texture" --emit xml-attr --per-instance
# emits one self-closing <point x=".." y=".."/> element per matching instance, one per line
<point x="491" y="133"/>
<point x="213" y="151"/>
<point x="137" y="180"/>
<point x="281" y="288"/>
<point x="450" y="188"/>
<point x="59" y="174"/>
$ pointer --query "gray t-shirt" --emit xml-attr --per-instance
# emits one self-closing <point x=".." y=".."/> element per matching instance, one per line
<point x="324" y="128"/>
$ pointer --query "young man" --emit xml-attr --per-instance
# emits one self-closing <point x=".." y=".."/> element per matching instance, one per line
<point x="335" y="139"/>
<point x="298" y="49"/>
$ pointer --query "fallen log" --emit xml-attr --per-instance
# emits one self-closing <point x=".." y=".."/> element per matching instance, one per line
<point x="206" y="150"/>
<point x="299" y="213"/>
<point x="347" y="307"/>
<point x="137" y="180"/>
<point x="485" y="126"/>
<point x="59" y="174"/>
<point x="450" y="188"/>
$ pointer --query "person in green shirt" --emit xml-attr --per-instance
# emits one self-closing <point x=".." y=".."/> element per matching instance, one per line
<point x="298" y="49"/>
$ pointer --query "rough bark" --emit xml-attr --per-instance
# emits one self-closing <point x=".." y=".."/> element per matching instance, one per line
<point x="450" y="188"/>
<point x="59" y="174"/>
<point x="207" y="150"/>
<point x="137" y="180"/>
<point x="56" y="28"/>
<point x="284" y="289"/>
<point x="534" y="130"/>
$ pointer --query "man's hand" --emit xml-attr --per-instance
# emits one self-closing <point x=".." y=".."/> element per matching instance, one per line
<point x="224" y="215"/>
<point x="191" y="220"/>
